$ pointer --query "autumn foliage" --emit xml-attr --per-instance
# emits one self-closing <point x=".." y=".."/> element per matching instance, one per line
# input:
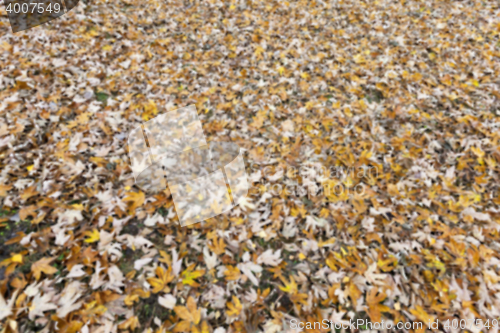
<point x="407" y="88"/>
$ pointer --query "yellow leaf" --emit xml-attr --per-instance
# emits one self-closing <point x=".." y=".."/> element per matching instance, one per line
<point x="232" y="273"/>
<point x="77" y="206"/>
<point x="290" y="287"/>
<point x="74" y="327"/>
<point x="130" y="299"/>
<point x="132" y="323"/>
<point x="299" y="298"/>
<point x="151" y="107"/>
<point x="195" y="313"/>
<point x="389" y="264"/>
<point x="354" y="292"/>
<point x="190" y="313"/>
<point x="477" y="151"/>
<point x="183" y="326"/>
<point x="17" y="258"/>
<point x="393" y="190"/>
<point x="160" y="283"/>
<point x="258" y="51"/>
<point x="359" y="59"/>
<point x="235" y="307"/>
<point x="12" y="261"/>
<point x="420" y="313"/>
<point x="165" y="258"/>
<point x="182" y="312"/>
<point x="204" y="327"/>
<point x="189" y="275"/>
<point x="93" y="235"/>
<point x="136" y="198"/>
<point x="29" y="168"/>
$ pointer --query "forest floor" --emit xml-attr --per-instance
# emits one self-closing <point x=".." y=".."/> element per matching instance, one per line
<point x="371" y="138"/>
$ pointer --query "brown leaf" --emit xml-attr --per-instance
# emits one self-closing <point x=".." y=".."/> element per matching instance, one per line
<point x="43" y="266"/>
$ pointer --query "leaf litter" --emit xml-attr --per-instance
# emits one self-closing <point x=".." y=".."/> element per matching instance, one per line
<point x="409" y="89"/>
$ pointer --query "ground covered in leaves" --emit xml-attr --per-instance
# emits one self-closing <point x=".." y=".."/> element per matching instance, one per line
<point x="408" y="90"/>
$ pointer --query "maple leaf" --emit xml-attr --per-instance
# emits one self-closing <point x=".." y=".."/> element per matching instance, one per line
<point x="189" y="314"/>
<point x="160" y="283"/>
<point x="76" y="271"/>
<point x="292" y="83"/>
<point x="135" y="199"/>
<point x="4" y="190"/>
<point x="150" y="110"/>
<point x="68" y="302"/>
<point x="131" y="299"/>
<point x="354" y="292"/>
<point x="234" y="307"/>
<point x="389" y="264"/>
<point x="232" y="273"/>
<point x="132" y="323"/>
<point x="43" y="266"/>
<point x="258" y="51"/>
<point x="93" y="236"/>
<point x="189" y="275"/>
<point x="270" y="258"/>
<point x="6" y="307"/>
<point x="40" y="304"/>
<point x="165" y="258"/>
<point x="89" y="256"/>
<point x="290" y="286"/>
<point x="16" y="258"/>
<point x="29" y="192"/>
<point x="19" y="282"/>
<point x="299" y="299"/>
<point x="218" y="247"/>
<point x="421" y="314"/>
<point x="27" y="211"/>
<point x="204" y="328"/>
<point x="374" y="308"/>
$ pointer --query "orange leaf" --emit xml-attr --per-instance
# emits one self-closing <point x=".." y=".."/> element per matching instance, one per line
<point x="4" y="189"/>
<point x="375" y="309"/>
<point x="27" y="211"/>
